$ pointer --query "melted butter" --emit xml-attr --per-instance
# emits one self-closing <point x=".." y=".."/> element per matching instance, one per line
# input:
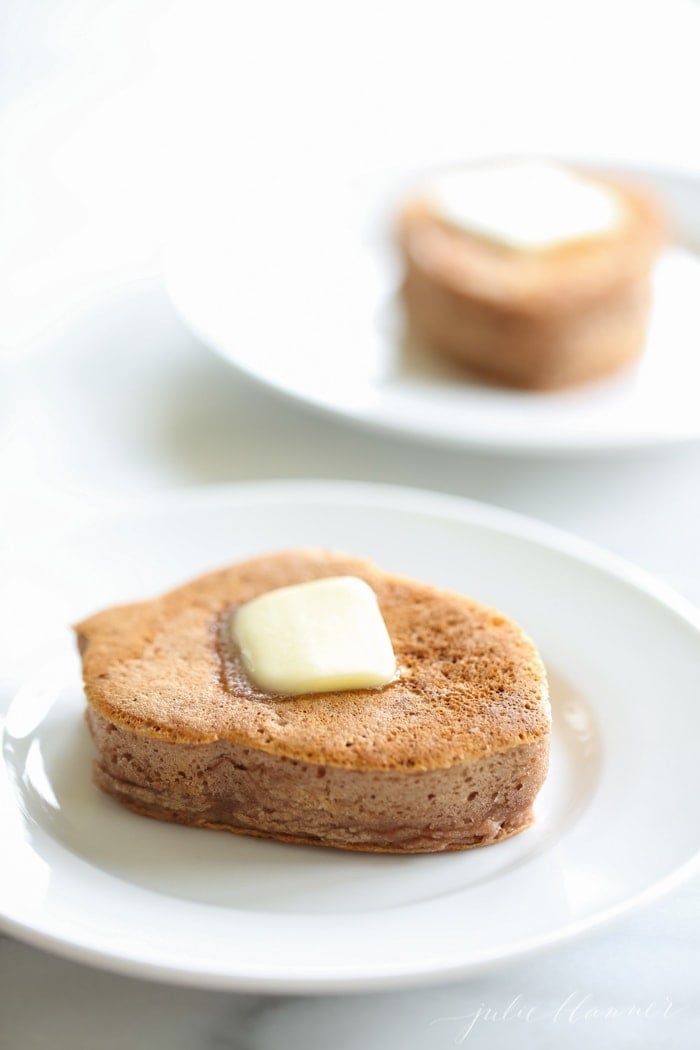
<point x="525" y="205"/>
<point x="324" y="635"/>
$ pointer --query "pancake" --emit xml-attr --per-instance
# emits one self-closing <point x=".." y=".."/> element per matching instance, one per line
<point x="535" y="319"/>
<point x="449" y="755"/>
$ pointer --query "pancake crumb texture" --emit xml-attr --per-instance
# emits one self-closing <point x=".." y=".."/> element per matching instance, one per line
<point x="449" y="755"/>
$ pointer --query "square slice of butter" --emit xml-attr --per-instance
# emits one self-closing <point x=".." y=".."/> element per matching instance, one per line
<point x="320" y="636"/>
<point x="526" y="205"/>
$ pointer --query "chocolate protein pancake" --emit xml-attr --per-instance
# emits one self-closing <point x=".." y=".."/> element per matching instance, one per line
<point x="536" y="320"/>
<point x="449" y="755"/>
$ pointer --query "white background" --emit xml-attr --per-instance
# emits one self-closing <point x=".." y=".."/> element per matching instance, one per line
<point x="119" y="122"/>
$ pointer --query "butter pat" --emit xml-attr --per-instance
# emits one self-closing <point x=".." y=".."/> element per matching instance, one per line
<point x="313" y="637"/>
<point x="526" y="205"/>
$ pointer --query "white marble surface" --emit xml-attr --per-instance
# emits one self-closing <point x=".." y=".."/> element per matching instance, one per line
<point x="113" y="117"/>
<point x="635" y="986"/>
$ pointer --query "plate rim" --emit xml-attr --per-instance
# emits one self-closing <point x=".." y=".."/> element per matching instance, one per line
<point x="572" y="446"/>
<point x="410" y="500"/>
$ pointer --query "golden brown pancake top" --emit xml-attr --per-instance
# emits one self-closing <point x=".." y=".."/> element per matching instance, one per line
<point x="548" y="282"/>
<point x="470" y="682"/>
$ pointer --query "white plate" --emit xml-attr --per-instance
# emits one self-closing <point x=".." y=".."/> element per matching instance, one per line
<point x="616" y="821"/>
<point x="299" y="293"/>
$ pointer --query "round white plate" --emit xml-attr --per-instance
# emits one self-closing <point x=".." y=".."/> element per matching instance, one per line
<point x="616" y="821"/>
<point x="298" y="289"/>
